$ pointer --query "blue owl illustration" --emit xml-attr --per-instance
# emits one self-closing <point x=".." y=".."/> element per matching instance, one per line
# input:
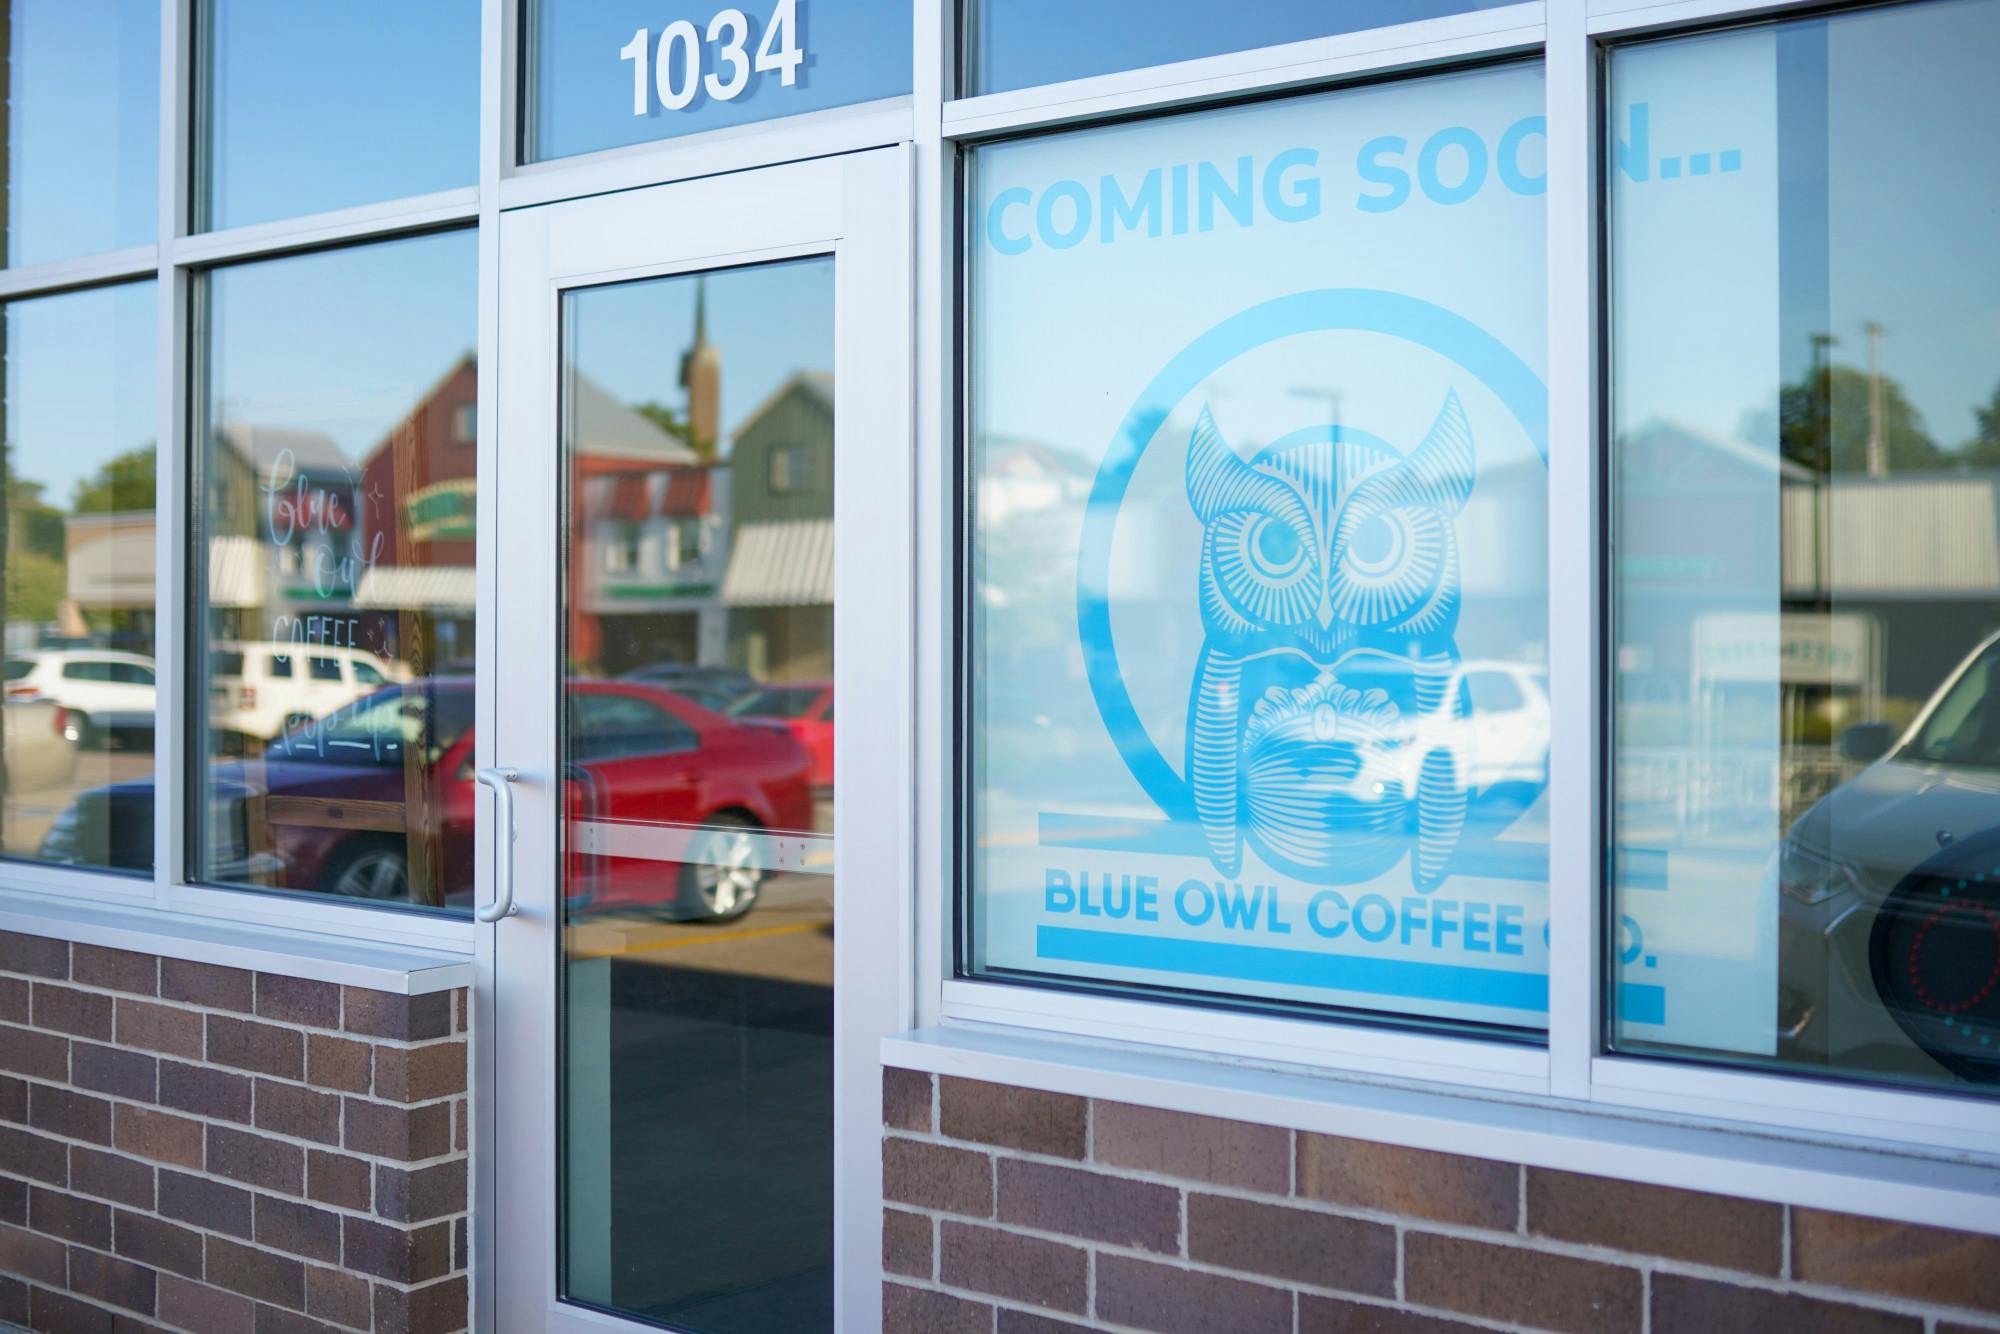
<point x="1329" y="591"/>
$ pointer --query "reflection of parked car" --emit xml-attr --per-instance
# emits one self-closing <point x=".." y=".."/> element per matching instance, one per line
<point x="804" y="707"/>
<point x="1491" y="720"/>
<point x="710" y="687"/>
<point x="108" y="695"/>
<point x="1889" y="912"/>
<point x="37" y="747"/>
<point x="261" y="689"/>
<point x="328" y="806"/>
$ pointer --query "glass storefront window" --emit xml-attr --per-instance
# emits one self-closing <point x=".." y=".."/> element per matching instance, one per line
<point x="310" y="107"/>
<point x="334" y="624"/>
<point x="83" y="126"/>
<point x="76" y="740"/>
<point x="1020" y="43"/>
<point x="605" y="73"/>
<point x="1258" y="699"/>
<point x="1806" y="417"/>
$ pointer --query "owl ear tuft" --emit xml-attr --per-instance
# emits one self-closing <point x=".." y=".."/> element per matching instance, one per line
<point x="1217" y="480"/>
<point x="1441" y="468"/>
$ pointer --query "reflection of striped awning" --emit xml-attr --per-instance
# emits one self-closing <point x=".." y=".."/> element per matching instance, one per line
<point x="235" y="572"/>
<point x="631" y="498"/>
<point x="419" y="588"/>
<point x="687" y="493"/>
<point x="784" y="564"/>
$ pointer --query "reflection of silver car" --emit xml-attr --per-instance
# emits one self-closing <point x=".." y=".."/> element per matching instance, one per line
<point x="37" y="743"/>
<point x="1889" y="917"/>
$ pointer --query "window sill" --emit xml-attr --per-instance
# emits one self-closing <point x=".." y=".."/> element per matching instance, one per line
<point x="400" y="970"/>
<point x="1879" y="1179"/>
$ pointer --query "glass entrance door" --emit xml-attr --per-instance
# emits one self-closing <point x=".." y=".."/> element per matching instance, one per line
<point x="704" y="414"/>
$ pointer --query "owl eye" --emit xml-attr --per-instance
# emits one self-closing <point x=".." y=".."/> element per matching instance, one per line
<point x="1274" y="548"/>
<point x="1377" y="546"/>
<point x="1389" y="564"/>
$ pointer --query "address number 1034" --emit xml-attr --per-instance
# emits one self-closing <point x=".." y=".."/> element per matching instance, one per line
<point x="672" y="65"/>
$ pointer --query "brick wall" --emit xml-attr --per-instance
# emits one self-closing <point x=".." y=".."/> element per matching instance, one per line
<point x="203" y="1149"/>
<point x="1011" y="1211"/>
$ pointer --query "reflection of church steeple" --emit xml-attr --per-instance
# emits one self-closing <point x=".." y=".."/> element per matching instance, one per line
<point x="701" y="376"/>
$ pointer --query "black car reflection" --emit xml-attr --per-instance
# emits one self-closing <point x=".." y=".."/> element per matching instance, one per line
<point x="1889" y="913"/>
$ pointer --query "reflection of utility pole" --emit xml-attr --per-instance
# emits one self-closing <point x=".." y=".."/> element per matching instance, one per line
<point x="1878" y="453"/>
<point x="1330" y="396"/>
<point x="1822" y="465"/>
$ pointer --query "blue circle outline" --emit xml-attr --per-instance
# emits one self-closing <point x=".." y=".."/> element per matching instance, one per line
<point x="1360" y="309"/>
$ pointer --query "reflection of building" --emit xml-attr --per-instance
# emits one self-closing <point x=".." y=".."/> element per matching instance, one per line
<point x="779" y="585"/>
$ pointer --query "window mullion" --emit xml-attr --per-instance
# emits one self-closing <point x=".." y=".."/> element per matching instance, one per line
<point x="171" y="350"/>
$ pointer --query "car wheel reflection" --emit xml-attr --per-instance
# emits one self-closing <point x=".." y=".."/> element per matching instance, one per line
<point x="366" y="869"/>
<point x="1935" y="955"/>
<point x="722" y="877"/>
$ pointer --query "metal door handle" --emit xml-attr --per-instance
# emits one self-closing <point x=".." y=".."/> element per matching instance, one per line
<point x="500" y="780"/>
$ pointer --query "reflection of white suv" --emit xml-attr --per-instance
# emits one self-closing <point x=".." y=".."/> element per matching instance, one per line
<point x="260" y="689"/>
<point x="105" y="693"/>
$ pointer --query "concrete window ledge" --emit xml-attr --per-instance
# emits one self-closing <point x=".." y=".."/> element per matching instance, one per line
<point x="398" y="969"/>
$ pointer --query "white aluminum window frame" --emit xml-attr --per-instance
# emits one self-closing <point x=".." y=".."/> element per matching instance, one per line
<point x="1576" y="1070"/>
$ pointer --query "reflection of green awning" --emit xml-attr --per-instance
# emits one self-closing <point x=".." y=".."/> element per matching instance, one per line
<point x="419" y="588"/>
<point x="783" y="564"/>
<point x="630" y="592"/>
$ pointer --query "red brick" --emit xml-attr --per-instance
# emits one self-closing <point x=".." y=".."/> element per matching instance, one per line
<point x="906" y="1243"/>
<point x="13" y="1301"/>
<point x="1014" y="1118"/>
<point x="113" y="1281"/>
<point x="437" y="1308"/>
<point x="14" y="1007"/>
<point x="1180" y="1301"/>
<point x="113" y="1070"/>
<point x="1007" y="1264"/>
<point x="158" y="1243"/>
<point x="66" y="1112"/>
<point x="81" y="1014"/>
<point x="381" y="1014"/>
<point x="1447" y="1187"/>
<point x="406" y="1134"/>
<point x="256" y="1160"/>
<point x="341" y="1064"/>
<point x="1330" y="1315"/>
<point x="209" y="984"/>
<point x="37" y="956"/>
<point x="1656" y="1220"/>
<point x="36" y="1157"/>
<point x="298" y="1000"/>
<point x="57" y="1213"/>
<point x="335" y="1178"/>
<point x="1297" y="1244"/>
<point x="115" y="970"/>
<point x="907" y="1310"/>
<point x="418" y="1074"/>
<point x="936" y="1176"/>
<point x="401" y="1255"/>
<point x="906" y="1100"/>
<point x="303" y="1113"/>
<point x="1522" y="1286"/>
<point x="160" y="1136"/>
<point x="34" y="1257"/>
<point x="416" y="1195"/>
<point x="339" y="1297"/>
<point x="216" y="1094"/>
<point x="265" y="1049"/>
<point x="1080" y="1203"/>
<point x="13" y="1100"/>
<point x="110" y="1176"/>
<point x="195" y="1306"/>
<point x="37" y="1055"/>
<point x="272" y="1320"/>
<point x="13" y="1201"/>
<point x="1198" y="1148"/>
<point x="1013" y="1321"/>
<point x="260" y="1274"/>
<point x="159" y="1028"/>
<point x="297" y="1229"/>
<point x="71" y="1315"/>
<point x="1930" y="1264"/>
<point x="1684" y="1305"/>
<point x="205" y="1203"/>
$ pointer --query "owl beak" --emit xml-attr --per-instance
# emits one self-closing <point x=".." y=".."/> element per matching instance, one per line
<point x="1325" y="613"/>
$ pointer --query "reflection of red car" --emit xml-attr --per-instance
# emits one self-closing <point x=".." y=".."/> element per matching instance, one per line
<point x="665" y="801"/>
<point x="806" y="707"/>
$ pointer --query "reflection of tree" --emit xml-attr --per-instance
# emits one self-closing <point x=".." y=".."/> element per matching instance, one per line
<point x="37" y="579"/>
<point x="1983" y="450"/>
<point x="676" y="425"/>
<point x="121" y="484"/>
<point x="1823" y="424"/>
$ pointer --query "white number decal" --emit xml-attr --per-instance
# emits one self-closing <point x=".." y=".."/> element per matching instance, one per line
<point x="679" y="34"/>
<point x="731" y="52"/>
<point x="780" y="48"/>
<point x="635" y="51"/>
<point x="676" y="62"/>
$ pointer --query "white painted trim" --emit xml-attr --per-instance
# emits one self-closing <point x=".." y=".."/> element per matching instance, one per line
<point x="1857" y="1176"/>
<point x="88" y="271"/>
<point x="1374" y="50"/>
<point x="367" y="222"/>
<point x="1636" y="16"/>
<point x="175" y="935"/>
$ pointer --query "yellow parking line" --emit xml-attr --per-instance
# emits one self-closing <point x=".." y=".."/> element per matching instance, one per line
<point x="677" y="942"/>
